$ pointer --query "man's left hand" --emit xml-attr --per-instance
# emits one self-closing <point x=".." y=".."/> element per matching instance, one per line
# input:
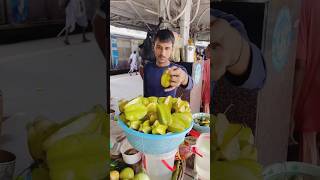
<point x="178" y="77"/>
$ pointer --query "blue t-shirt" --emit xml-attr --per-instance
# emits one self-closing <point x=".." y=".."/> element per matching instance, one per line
<point x="152" y="81"/>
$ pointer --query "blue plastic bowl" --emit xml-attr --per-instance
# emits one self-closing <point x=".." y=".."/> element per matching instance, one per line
<point x="151" y="143"/>
<point x="197" y="127"/>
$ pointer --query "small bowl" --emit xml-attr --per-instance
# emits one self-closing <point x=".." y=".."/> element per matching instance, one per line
<point x="112" y="114"/>
<point x="197" y="127"/>
<point x="129" y="159"/>
<point x="7" y="164"/>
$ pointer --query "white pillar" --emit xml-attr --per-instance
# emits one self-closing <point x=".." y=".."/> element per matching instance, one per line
<point x="162" y="8"/>
<point x="185" y="23"/>
<point x="163" y="13"/>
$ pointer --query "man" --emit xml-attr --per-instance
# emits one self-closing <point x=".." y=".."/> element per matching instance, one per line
<point x="133" y="61"/>
<point x="163" y="48"/>
<point x="75" y="14"/>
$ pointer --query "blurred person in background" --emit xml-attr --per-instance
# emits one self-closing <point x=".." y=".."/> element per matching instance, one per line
<point x="133" y="61"/>
<point x="205" y="92"/>
<point x="306" y="96"/>
<point x="75" y="14"/>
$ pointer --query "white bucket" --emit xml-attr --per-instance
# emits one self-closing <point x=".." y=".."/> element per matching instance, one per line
<point x="202" y="159"/>
<point x="129" y="159"/>
<point x="160" y="166"/>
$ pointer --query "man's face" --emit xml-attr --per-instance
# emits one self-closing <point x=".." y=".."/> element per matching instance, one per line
<point x="163" y="51"/>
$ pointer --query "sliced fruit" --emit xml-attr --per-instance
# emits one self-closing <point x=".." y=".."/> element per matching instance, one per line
<point x="88" y="123"/>
<point x="135" y="112"/>
<point x="164" y="114"/>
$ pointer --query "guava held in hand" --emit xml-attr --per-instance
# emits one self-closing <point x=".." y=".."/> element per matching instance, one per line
<point x="165" y="79"/>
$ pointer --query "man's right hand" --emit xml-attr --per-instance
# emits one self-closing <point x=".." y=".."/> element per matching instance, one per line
<point x="229" y="50"/>
<point x="178" y="77"/>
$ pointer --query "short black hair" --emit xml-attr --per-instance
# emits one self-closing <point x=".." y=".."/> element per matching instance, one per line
<point x="134" y="52"/>
<point x="164" y="35"/>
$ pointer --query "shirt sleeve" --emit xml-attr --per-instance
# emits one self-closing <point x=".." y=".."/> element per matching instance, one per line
<point x="255" y="76"/>
<point x="189" y="86"/>
<point x="257" y="72"/>
<point x="190" y="83"/>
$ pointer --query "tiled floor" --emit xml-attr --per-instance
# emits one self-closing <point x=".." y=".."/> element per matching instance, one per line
<point x="125" y="86"/>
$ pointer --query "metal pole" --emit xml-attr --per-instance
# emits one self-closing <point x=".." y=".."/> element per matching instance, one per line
<point x="162" y="8"/>
<point x="185" y="23"/>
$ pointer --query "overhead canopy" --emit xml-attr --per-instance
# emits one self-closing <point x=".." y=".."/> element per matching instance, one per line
<point x="142" y="15"/>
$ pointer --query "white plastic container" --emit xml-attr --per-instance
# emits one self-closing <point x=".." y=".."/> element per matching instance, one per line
<point x="129" y="159"/>
<point x="160" y="166"/>
<point x="190" y="53"/>
<point x="202" y="163"/>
